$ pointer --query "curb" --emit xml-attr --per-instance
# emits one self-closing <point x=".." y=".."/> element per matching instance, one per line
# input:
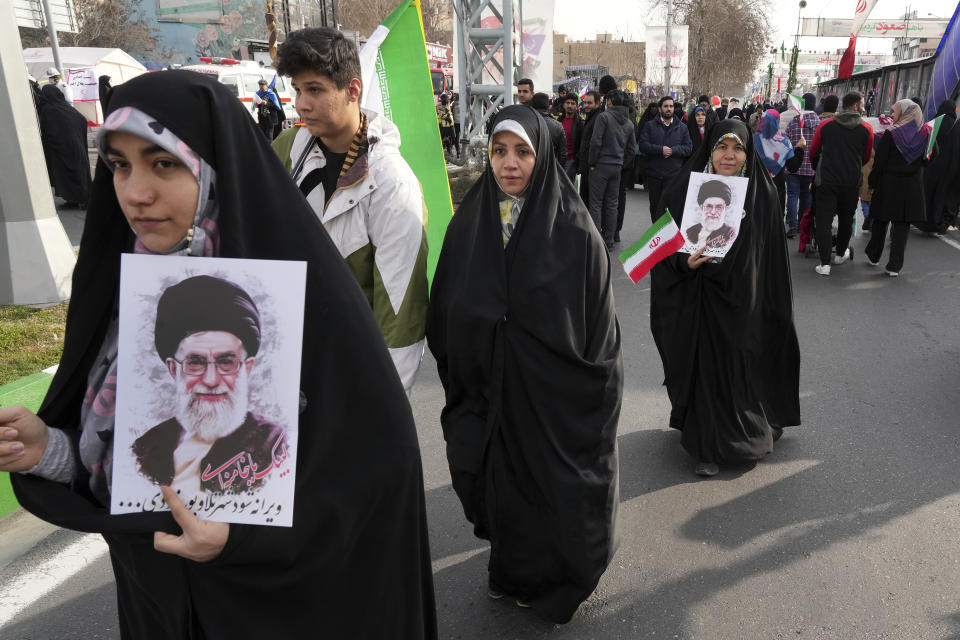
<point x="29" y="392"/>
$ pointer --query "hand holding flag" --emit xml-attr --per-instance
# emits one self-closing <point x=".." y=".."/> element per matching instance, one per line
<point x="930" y="129"/>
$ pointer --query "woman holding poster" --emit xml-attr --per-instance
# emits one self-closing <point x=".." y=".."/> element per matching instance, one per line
<point x="524" y="330"/>
<point x="725" y="329"/>
<point x="184" y="168"/>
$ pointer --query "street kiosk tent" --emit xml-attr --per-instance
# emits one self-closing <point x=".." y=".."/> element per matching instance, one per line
<point x="116" y="63"/>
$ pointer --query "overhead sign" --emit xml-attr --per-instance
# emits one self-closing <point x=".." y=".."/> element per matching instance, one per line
<point x="898" y="28"/>
<point x="656" y="50"/>
<point x="834" y="58"/>
<point x="29" y="14"/>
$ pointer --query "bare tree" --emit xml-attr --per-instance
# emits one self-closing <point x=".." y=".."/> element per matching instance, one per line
<point x="365" y="15"/>
<point x="727" y="42"/>
<point x="104" y="23"/>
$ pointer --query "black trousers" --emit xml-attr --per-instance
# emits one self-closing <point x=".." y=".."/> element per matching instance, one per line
<point x="654" y="187"/>
<point x="898" y="243"/>
<point x="840" y="201"/>
<point x="585" y="187"/>
<point x="626" y="180"/>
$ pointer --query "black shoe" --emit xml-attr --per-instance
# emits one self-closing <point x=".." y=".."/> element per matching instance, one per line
<point x="610" y="247"/>
<point x="777" y="433"/>
<point x="706" y="469"/>
<point x="792" y="232"/>
<point x="616" y="237"/>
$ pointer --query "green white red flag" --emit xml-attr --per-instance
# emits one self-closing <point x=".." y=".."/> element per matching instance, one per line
<point x="930" y="129"/>
<point x="661" y="240"/>
<point x="796" y="102"/>
<point x="396" y="83"/>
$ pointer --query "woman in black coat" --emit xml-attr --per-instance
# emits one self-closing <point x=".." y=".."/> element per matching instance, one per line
<point x="897" y="185"/>
<point x="939" y="178"/>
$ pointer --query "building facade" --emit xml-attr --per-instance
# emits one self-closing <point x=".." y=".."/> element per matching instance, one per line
<point x="623" y="59"/>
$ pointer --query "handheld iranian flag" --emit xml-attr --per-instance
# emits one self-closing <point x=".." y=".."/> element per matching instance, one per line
<point x="661" y="240"/>
<point x="796" y="102"/>
<point x="930" y="129"/>
<point x="397" y="84"/>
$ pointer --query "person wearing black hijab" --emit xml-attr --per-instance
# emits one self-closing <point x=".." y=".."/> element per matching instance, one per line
<point x="725" y="328"/>
<point x="104" y="87"/>
<point x="356" y="562"/>
<point x="63" y="132"/>
<point x="940" y="185"/>
<point x="525" y="334"/>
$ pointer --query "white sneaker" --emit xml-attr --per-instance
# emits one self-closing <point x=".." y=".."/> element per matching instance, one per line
<point x="823" y="269"/>
<point x="847" y="255"/>
<point x="893" y="274"/>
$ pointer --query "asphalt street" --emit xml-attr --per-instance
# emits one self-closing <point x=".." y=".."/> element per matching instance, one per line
<point x="849" y="530"/>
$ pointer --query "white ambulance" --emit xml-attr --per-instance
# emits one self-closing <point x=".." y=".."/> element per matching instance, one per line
<point x="242" y="77"/>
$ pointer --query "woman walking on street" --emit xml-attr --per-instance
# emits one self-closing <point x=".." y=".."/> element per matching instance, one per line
<point x="940" y="184"/>
<point x="524" y="331"/>
<point x="724" y="328"/>
<point x="897" y="185"/>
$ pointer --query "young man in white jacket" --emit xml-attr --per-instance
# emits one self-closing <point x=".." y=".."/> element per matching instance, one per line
<point x="347" y="163"/>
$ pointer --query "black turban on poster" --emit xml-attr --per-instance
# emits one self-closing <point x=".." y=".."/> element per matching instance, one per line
<point x="205" y="303"/>
<point x="528" y="350"/>
<point x="356" y="562"/>
<point x="713" y="189"/>
<point x="725" y="331"/>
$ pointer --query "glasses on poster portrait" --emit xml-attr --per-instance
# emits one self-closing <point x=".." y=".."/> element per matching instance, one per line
<point x="196" y="366"/>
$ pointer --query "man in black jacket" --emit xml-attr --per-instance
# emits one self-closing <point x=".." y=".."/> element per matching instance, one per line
<point x="541" y="104"/>
<point x="665" y="141"/>
<point x="611" y="146"/>
<point x="591" y="109"/>
<point x="840" y="148"/>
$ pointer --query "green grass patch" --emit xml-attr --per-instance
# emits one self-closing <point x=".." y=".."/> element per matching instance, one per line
<point x="31" y="340"/>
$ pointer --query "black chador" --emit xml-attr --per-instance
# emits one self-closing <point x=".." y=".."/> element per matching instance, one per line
<point x="528" y="349"/>
<point x="725" y="331"/>
<point x="356" y="562"/>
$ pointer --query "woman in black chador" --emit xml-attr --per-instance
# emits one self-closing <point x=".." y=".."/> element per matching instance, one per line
<point x="184" y="171"/>
<point x="724" y="328"/>
<point x="63" y="131"/>
<point x="940" y="186"/>
<point x="523" y="327"/>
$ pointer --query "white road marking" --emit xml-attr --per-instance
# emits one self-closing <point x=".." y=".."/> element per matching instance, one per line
<point x="36" y="580"/>
<point x="952" y="243"/>
<point x="457" y="558"/>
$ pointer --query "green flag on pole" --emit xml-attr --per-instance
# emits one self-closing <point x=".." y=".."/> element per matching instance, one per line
<point x="396" y="83"/>
<point x="931" y="129"/>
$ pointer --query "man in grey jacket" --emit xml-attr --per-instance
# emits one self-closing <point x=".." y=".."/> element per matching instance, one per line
<point x="610" y="147"/>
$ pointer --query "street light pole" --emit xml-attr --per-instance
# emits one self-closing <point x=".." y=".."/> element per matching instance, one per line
<point x="667" y="34"/>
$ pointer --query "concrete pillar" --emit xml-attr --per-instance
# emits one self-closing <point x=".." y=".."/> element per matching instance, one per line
<point x="36" y="257"/>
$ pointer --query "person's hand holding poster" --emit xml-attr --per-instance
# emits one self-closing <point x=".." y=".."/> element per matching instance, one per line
<point x="208" y="386"/>
<point x="712" y="213"/>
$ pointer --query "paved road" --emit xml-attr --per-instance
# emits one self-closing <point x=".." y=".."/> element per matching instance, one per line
<point x="849" y="530"/>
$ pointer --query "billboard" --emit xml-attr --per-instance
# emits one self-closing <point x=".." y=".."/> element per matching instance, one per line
<point x="537" y="60"/>
<point x="899" y="28"/>
<point x="656" y="51"/>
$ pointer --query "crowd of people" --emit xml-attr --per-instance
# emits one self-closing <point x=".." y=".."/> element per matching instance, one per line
<point x="520" y="319"/>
